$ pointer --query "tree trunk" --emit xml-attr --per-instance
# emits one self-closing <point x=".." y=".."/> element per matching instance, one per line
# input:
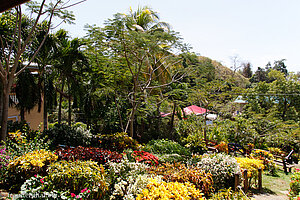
<point x="45" y="113"/>
<point x="70" y="107"/>
<point x="132" y="121"/>
<point x="6" y="91"/>
<point x="1" y="101"/>
<point x="22" y="114"/>
<point x="60" y="102"/>
<point x="172" y="120"/>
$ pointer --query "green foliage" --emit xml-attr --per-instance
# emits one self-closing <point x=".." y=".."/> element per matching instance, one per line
<point x="190" y="133"/>
<point x="165" y="146"/>
<point x="74" y="176"/>
<point x="66" y="135"/>
<point x="267" y="159"/>
<point x="229" y="194"/>
<point x="118" y="142"/>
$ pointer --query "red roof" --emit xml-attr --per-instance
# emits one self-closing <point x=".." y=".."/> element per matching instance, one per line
<point x="194" y="109"/>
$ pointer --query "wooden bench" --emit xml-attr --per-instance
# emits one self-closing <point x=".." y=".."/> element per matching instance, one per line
<point x="285" y="162"/>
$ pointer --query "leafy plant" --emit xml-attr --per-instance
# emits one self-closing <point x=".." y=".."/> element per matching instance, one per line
<point x="145" y="157"/>
<point x="222" y="147"/>
<point x="165" y="146"/>
<point x="62" y="134"/>
<point x="98" y="155"/>
<point x="178" y="172"/>
<point x="252" y="166"/>
<point x="118" y="142"/>
<point x="24" y="167"/>
<point x="74" y="176"/>
<point x="267" y="159"/>
<point x="229" y="194"/>
<point x="172" y="190"/>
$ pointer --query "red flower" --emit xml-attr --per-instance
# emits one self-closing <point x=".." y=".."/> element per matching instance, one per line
<point x="73" y="195"/>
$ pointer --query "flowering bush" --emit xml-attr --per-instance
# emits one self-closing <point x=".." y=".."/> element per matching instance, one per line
<point x="222" y="167"/>
<point x="267" y="159"/>
<point x="145" y="157"/>
<point x="172" y="190"/>
<point x="72" y="177"/>
<point x="98" y="155"/>
<point x="178" y="172"/>
<point x="4" y="158"/>
<point x="130" y="187"/>
<point x="38" y="187"/>
<point x="295" y="184"/>
<point x="127" y="179"/>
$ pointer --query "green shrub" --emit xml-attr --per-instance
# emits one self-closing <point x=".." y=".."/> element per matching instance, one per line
<point x="267" y="159"/>
<point x="170" y="158"/>
<point x="222" y="167"/>
<point x="66" y="135"/>
<point x="74" y="176"/>
<point x="165" y="146"/>
<point x="229" y="194"/>
<point x="118" y="142"/>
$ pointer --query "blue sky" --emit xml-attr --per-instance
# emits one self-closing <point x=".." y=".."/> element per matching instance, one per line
<point x="257" y="31"/>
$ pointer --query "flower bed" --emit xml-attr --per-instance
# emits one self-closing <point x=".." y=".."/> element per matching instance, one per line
<point x="101" y="156"/>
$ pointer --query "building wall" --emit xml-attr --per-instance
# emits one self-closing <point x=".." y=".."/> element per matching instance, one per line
<point x="34" y="118"/>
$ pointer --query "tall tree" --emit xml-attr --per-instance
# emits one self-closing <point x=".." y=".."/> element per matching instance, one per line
<point x="17" y="35"/>
<point x="246" y="70"/>
<point x="69" y="60"/>
<point x="145" y="53"/>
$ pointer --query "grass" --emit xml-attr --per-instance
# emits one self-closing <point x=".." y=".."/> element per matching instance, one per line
<point x="275" y="185"/>
<point x="279" y="184"/>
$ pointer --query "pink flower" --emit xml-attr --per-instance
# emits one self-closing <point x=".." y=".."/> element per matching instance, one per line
<point x="83" y="190"/>
<point x="42" y="180"/>
<point x="73" y="195"/>
<point x="77" y="196"/>
<point x="35" y="175"/>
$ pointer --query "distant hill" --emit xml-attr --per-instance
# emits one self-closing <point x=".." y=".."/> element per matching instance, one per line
<point x="224" y="73"/>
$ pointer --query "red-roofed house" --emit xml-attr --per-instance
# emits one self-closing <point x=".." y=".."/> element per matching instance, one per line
<point x="194" y="110"/>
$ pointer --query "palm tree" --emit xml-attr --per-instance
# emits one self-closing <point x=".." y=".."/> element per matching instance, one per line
<point x="69" y="61"/>
<point x="44" y="59"/>
<point x="145" y="19"/>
